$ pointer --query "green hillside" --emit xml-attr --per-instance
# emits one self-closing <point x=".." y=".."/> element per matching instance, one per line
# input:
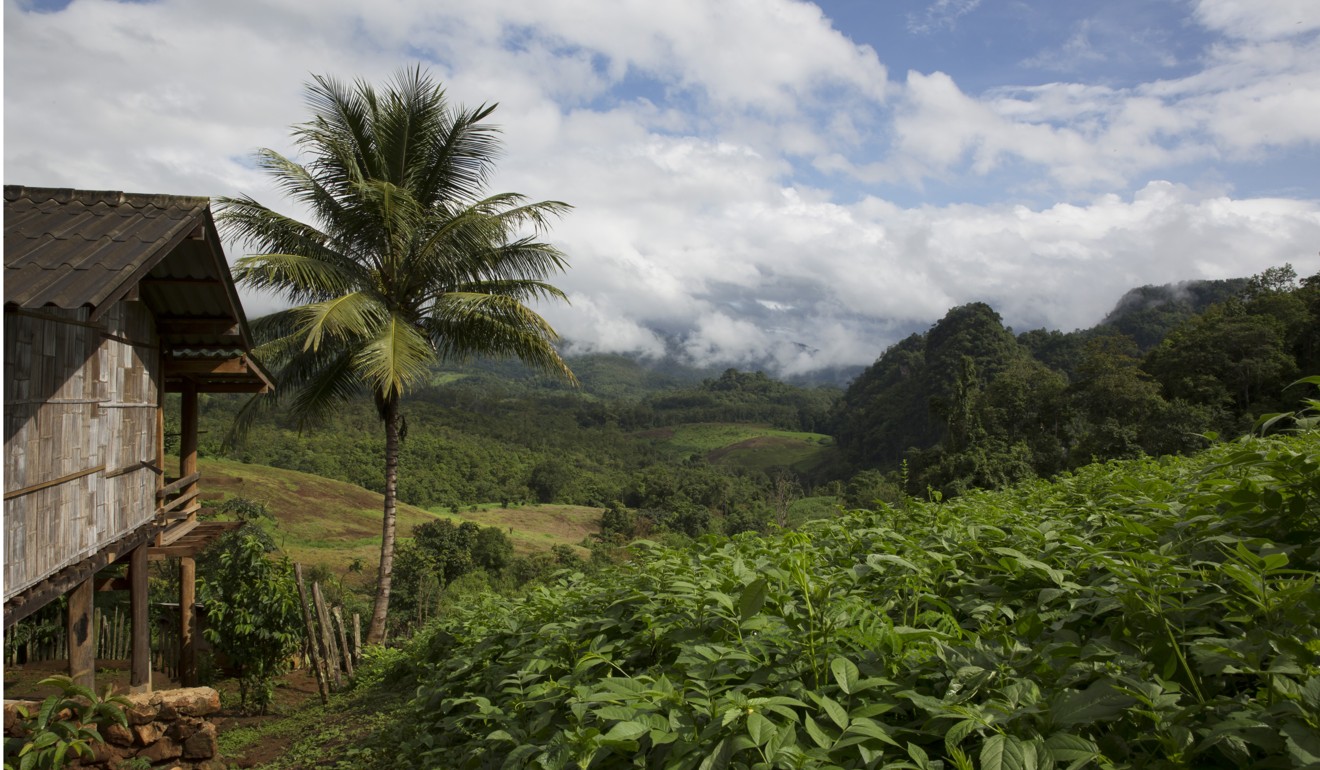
<point x="333" y="523"/>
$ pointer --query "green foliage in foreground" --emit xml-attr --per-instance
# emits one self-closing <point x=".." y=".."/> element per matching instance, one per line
<point x="1152" y="614"/>
<point x="65" y="727"/>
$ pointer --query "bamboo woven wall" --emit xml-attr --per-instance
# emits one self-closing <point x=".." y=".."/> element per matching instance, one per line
<point x="78" y="398"/>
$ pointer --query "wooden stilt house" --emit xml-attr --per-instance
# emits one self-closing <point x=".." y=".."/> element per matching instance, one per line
<point x="112" y="300"/>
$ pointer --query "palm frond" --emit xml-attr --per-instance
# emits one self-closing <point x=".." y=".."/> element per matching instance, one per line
<point x="331" y="383"/>
<point x="298" y="277"/>
<point x="396" y="358"/>
<point x="464" y="324"/>
<point x="343" y="318"/>
<point x="520" y="289"/>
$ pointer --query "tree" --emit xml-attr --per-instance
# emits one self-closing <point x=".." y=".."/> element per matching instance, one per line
<point x="252" y="610"/>
<point x="405" y="262"/>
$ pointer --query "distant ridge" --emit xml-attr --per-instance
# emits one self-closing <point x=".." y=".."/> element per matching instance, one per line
<point x="1147" y="314"/>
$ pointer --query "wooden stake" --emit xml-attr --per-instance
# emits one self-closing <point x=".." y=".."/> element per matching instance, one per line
<point x="343" y="641"/>
<point x="327" y="635"/>
<point x="357" y="638"/>
<point x="318" y="662"/>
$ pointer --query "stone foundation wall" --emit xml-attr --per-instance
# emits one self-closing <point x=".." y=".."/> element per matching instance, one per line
<point x="167" y="728"/>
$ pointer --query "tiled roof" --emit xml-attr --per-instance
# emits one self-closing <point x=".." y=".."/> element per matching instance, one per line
<point x="78" y="248"/>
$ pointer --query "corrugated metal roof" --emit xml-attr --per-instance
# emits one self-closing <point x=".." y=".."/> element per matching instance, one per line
<point x="83" y="248"/>
<point x="78" y="248"/>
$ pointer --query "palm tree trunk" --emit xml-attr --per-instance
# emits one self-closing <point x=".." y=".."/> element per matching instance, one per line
<point x="390" y="416"/>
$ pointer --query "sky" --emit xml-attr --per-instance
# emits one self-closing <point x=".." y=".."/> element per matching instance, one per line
<point x="761" y="183"/>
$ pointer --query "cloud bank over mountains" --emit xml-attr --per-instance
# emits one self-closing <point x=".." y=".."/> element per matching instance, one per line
<point x="763" y="180"/>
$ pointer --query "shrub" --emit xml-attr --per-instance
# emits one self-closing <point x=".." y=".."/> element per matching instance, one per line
<point x="64" y="727"/>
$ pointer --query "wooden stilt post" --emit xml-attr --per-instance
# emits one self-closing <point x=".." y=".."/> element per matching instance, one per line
<point x="318" y="663"/>
<point x="139" y="679"/>
<point x="82" y="653"/>
<point x="187" y="621"/>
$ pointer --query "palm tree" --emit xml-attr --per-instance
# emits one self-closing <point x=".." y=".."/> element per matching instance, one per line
<point x="404" y="261"/>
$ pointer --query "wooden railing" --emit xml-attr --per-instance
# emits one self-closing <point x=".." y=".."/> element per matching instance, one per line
<point x="178" y="499"/>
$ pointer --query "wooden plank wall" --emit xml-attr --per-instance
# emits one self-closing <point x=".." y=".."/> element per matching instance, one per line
<point x="78" y="398"/>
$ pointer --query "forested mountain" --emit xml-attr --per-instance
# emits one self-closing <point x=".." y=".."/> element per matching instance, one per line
<point x="1147" y="314"/>
<point x="967" y="405"/>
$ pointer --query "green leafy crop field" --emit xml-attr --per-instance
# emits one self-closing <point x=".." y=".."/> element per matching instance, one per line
<point x="1143" y="614"/>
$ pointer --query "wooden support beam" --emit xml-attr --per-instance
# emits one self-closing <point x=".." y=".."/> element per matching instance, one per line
<point x="177" y="367"/>
<point x="53" y="482"/>
<point x="187" y="621"/>
<point x="31" y="599"/>
<point x="343" y="641"/>
<point x="169" y="325"/>
<point x="140" y="652"/>
<point x="327" y="636"/>
<point x="174" y="533"/>
<point x="160" y="438"/>
<point x="188" y="439"/>
<point x="82" y="655"/>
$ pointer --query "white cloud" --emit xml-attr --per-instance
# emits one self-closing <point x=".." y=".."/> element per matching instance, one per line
<point x="1075" y="52"/>
<point x="941" y="14"/>
<point x="703" y="206"/>
<point x="1259" y="19"/>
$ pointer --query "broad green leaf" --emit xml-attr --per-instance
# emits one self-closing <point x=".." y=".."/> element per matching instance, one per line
<point x="871" y="729"/>
<point x="626" y="731"/>
<point x="1003" y="752"/>
<point x="1097" y="703"/>
<point x="818" y="735"/>
<point x="1074" y="749"/>
<point x="752" y="598"/>
<point x="836" y="713"/>
<point x="718" y="758"/>
<point x="759" y="728"/>
<point x="845" y="673"/>
<point x="889" y="558"/>
<point x="1311" y="693"/>
<point x="1303" y="743"/>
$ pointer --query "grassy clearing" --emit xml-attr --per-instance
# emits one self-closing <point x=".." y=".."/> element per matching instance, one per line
<point x="753" y="447"/>
<point x="709" y="436"/>
<point x="534" y="527"/>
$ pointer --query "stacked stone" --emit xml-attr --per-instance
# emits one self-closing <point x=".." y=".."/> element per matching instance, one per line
<point x="168" y="728"/>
